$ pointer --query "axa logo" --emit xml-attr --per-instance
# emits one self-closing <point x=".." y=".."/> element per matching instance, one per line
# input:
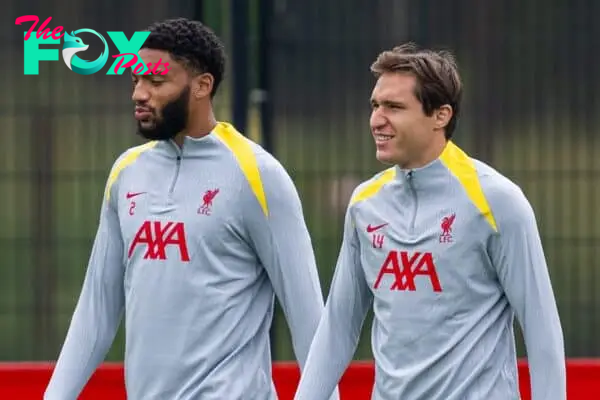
<point x="403" y="267"/>
<point x="154" y="237"/>
<point x="73" y="45"/>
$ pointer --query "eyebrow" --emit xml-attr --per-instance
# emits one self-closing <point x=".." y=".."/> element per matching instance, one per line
<point x="388" y="103"/>
<point x="148" y="76"/>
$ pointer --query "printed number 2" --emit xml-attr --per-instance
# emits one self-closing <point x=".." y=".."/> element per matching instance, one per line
<point x="131" y="208"/>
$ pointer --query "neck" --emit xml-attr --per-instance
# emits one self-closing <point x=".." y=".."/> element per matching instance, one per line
<point x="197" y="127"/>
<point x="432" y="153"/>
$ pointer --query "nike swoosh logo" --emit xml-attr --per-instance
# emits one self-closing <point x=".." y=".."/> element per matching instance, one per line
<point x="371" y="229"/>
<point x="130" y="195"/>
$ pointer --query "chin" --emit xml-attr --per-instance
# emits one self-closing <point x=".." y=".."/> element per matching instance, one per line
<point x="146" y="125"/>
<point x="384" y="158"/>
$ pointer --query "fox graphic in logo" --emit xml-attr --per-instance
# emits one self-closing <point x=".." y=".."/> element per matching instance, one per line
<point x="73" y="45"/>
<point x="446" y="225"/>
<point x="207" y="201"/>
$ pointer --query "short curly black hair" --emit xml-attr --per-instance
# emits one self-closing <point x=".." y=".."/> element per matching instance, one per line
<point x="191" y="43"/>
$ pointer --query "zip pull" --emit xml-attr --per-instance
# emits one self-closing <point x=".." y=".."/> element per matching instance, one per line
<point x="178" y="150"/>
<point x="410" y="179"/>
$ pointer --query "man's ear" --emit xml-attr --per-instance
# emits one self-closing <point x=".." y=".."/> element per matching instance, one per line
<point x="443" y="115"/>
<point x="202" y="85"/>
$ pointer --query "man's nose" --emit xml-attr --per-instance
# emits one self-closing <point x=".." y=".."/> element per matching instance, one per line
<point x="377" y="120"/>
<point x="140" y="93"/>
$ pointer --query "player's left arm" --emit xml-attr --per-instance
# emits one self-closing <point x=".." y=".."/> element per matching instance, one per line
<point x="283" y="245"/>
<point x="517" y="254"/>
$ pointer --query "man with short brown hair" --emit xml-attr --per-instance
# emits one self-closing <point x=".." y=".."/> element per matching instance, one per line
<point x="447" y="251"/>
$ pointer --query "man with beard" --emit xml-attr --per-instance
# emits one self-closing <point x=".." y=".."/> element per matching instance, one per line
<point x="199" y="228"/>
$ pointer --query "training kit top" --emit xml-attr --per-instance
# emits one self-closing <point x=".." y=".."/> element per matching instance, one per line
<point x="193" y="242"/>
<point x="446" y="254"/>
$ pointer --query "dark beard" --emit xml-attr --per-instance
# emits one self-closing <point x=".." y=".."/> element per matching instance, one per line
<point x="173" y="120"/>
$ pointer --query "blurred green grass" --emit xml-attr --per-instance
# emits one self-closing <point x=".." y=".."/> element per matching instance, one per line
<point x="556" y="169"/>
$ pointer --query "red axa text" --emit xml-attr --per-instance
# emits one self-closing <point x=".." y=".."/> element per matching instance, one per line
<point x="155" y="236"/>
<point x="404" y="267"/>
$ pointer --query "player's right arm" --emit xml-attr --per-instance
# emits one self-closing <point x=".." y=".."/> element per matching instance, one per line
<point x="339" y="329"/>
<point x="99" y="309"/>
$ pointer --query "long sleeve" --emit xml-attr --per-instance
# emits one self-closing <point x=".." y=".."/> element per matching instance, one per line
<point x="339" y="329"/>
<point x="517" y="254"/>
<point x="98" y="312"/>
<point x="283" y="245"/>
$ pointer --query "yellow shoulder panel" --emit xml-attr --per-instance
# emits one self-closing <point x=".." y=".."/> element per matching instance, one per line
<point x="129" y="158"/>
<point x="246" y="159"/>
<point x="374" y="186"/>
<point x="463" y="168"/>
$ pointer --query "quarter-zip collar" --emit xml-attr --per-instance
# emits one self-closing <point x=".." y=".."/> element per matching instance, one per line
<point x="191" y="148"/>
<point x="431" y="176"/>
